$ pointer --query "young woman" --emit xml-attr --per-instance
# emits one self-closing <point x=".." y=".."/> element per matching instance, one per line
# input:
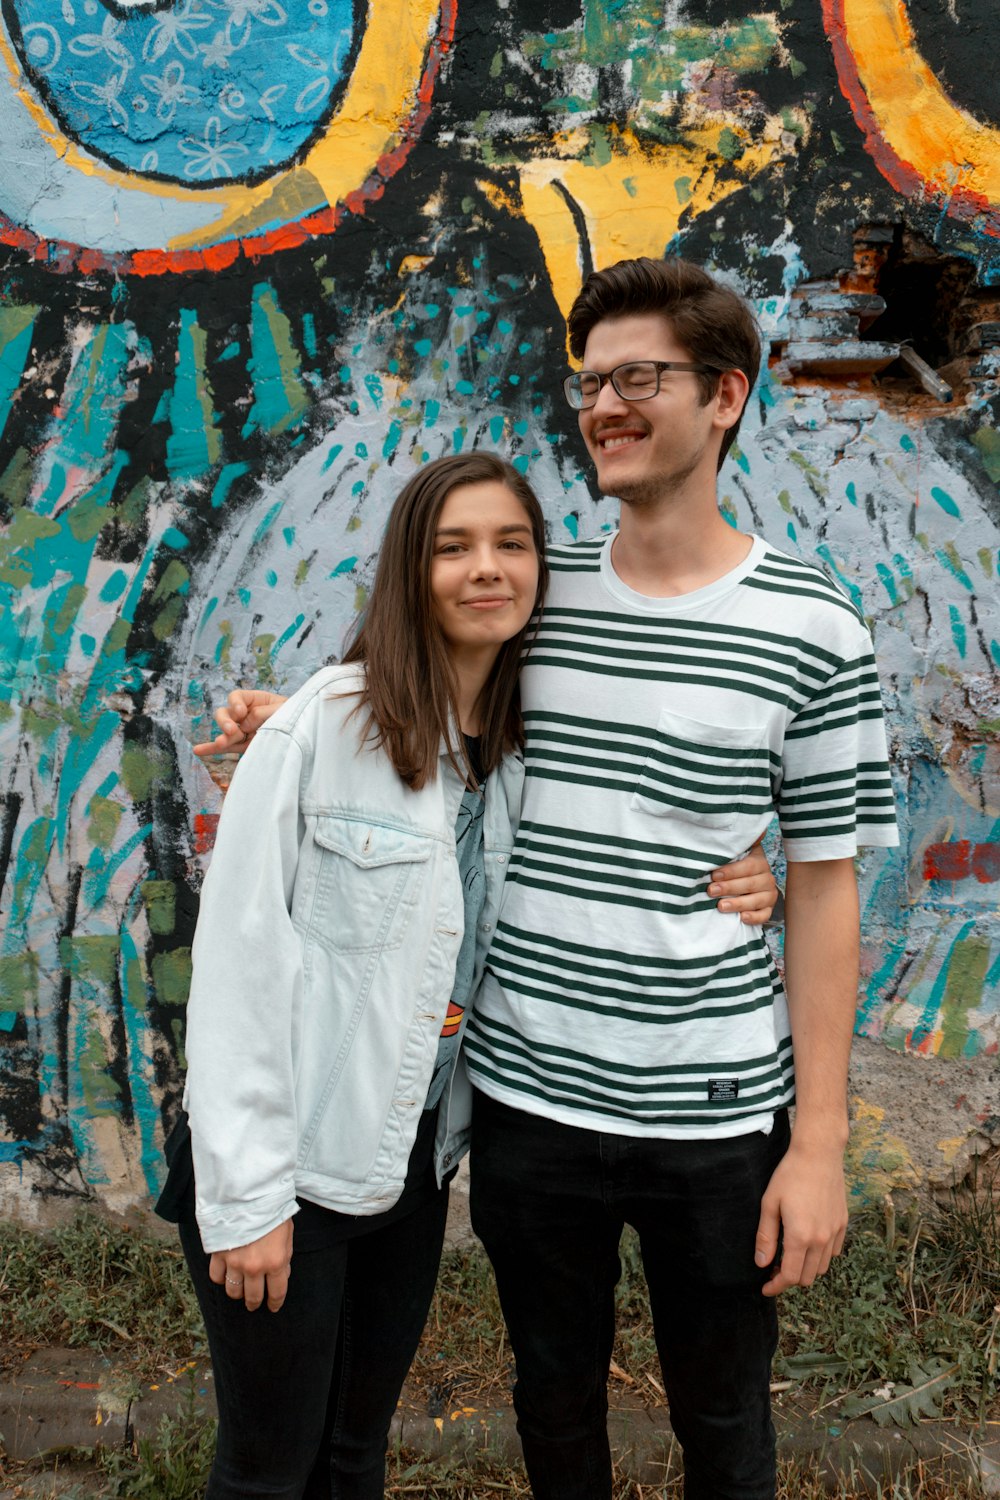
<point x="361" y="847"/>
<point x="358" y="863"/>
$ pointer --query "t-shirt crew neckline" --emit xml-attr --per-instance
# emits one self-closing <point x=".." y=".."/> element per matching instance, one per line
<point x="677" y="604"/>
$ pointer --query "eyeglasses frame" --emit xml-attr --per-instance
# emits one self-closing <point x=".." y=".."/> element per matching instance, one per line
<point x="658" y="364"/>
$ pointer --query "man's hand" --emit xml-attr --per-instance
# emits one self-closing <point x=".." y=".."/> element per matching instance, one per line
<point x="806" y="1203"/>
<point x="244" y="712"/>
<point x="249" y="1272"/>
<point x="746" y="886"/>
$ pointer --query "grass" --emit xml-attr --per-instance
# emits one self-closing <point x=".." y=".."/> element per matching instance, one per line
<point x="98" y="1285"/>
<point x="917" y="1292"/>
<point x="174" y="1466"/>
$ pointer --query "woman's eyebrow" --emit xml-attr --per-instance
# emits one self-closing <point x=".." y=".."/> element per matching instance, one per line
<point x="464" y="530"/>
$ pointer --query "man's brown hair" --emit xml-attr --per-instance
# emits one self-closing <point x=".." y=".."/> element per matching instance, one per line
<point x="409" y="701"/>
<point x="712" y="322"/>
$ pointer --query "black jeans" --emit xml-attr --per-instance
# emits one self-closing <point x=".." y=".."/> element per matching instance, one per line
<point x="306" y="1394"/>
<point x="549" y="1202"/>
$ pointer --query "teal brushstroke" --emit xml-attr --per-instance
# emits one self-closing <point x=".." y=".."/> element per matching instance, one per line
<point x="885" y="574"/>
<point x="374" y="388"/>
<point x="907" y="444"/>
<point x="332" y="456"/>
<point x="309" y="334"/>
<point x="423" y="347"/>
<point x="288" y="532"/>
<point x="852" y="589"/>
<point x="935" y="999"/>
<point x="880" y="978"/>
<point x="392" y="438"/>
<point x="134" y="1007"/>
<point x="496" y="429"/>
<point x="955" y="569"/>
<point x="190" y="444"/>
<point x="97" y="890"/>
<point x="793" y="535"/>
<point x="265" y="525"/>
<point x="945" y="501"/>
<point x="957" y="629"/>
<point x="92" y="405"/>
<point x="521" y="463"/>
<point x="572" y="525"/>
<point x="174" y="538"/>
<point x="227" y="478"/>
<point x="344" y="566"/>
<point x="995" y="651"/>
<point x="852" y="493"/>
<point x="13" y="357"/>
<point x="114" y="586"/>
<point x="289" y="634"/>
<point x="29" y="873"/>
<point x="279" y="396"/>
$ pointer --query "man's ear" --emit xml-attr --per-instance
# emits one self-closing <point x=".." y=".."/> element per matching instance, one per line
<point x="730" y="398"/>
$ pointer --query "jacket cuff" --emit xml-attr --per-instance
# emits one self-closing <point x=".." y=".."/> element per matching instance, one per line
<point x="240" y="1224"/>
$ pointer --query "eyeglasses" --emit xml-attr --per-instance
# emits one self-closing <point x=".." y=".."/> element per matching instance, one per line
<point x="637" y="381"/>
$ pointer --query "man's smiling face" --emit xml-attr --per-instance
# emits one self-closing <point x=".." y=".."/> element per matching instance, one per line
<point x="645" y="450"/>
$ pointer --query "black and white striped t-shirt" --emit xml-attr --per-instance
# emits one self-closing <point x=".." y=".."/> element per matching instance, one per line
<point x="662" y="734"/>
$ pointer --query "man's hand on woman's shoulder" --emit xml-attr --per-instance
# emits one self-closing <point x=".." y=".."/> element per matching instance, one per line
<point x="243" y="713"/>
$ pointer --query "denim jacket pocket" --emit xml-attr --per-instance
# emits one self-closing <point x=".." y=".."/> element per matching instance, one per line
<point x="366" y="883"/>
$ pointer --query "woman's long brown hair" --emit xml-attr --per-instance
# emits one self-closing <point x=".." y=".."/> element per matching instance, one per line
<point x="409" y="701"/>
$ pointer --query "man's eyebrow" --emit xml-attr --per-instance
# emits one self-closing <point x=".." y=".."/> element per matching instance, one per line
<point x="464" y="530"/>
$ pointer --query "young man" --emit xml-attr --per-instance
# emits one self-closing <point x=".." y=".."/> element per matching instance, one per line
<point x="632" y="1046"/>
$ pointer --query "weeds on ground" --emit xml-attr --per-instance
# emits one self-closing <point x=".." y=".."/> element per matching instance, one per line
<point x="923" y="1296"/>
<point x="908" y="1307"/>
<point x="100" y="1285"/>
<point x="922" y="1293"/>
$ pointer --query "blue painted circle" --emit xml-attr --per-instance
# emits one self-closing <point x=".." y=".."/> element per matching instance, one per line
<point x="195" y="91"/>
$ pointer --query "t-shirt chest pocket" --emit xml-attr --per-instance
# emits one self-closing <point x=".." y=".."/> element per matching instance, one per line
<point x="708" y="774"/>
<point x="367" y="883"/>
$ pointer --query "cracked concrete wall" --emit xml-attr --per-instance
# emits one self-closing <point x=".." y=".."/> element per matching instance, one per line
<point x="260" y="259"/>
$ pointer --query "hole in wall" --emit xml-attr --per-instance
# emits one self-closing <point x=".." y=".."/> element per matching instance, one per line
<point x="931" y="305"/>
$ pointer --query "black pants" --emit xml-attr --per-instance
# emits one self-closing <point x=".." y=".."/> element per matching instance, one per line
<point x="549" y="1202"/>
<point x="306" y="1394"/>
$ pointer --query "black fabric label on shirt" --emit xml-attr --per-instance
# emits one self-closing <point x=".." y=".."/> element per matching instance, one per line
<point x="723" y="1089"/>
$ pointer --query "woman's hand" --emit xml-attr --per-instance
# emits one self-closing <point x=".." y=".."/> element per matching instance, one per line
<point x="747" y="886"/>
<point x="249" y="1271"/>
<point x="244" y="712"/>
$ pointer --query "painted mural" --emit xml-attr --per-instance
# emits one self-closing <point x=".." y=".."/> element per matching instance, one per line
<point x="261" y="258"/>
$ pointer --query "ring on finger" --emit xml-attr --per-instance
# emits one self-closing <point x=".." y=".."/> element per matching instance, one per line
<point x="234" y="1281"/>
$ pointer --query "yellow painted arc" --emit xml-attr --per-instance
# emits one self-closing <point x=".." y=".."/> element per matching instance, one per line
<point x="378" y="98"/>
<point x="630" y="205"/>
<point x="946" y="145"/>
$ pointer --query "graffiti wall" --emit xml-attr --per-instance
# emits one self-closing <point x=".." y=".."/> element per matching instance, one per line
<point x="261" y="258"/>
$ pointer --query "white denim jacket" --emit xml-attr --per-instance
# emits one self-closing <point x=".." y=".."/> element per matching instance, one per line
<point x="324" y="960"/>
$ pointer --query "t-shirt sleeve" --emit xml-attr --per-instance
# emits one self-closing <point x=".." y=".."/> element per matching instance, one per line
<point x="835" y="792"/>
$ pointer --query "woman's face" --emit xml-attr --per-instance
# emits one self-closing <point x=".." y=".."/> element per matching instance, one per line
<point x="484" y="568"/>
